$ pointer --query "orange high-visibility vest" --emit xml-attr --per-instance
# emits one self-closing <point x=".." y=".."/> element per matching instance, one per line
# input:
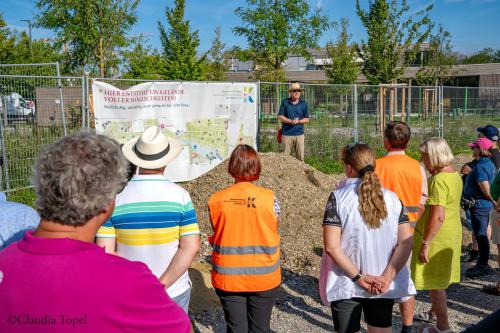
<point x="246" y="254"/>
<point x="402" y="175"/>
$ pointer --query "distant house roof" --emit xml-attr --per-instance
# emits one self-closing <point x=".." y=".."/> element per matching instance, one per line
<point x="410" y="73"/>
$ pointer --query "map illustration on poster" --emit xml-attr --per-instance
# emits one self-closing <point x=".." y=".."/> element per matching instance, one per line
<point x="208" y="119"/>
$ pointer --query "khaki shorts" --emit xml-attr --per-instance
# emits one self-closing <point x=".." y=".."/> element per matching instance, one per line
<point x="495" y="226"/>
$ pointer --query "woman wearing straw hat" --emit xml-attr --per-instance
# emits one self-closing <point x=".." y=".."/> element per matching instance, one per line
<point x="293" y="114"/>
<point x="154" y="220"/>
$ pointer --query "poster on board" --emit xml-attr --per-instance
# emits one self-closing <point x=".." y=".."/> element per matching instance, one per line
<point x="208" y="119"/>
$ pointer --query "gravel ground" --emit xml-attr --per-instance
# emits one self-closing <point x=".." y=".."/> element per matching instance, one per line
<point x="299" y="309"/>
<point x="302" y="192"/>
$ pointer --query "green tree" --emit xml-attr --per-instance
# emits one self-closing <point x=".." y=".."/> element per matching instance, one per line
<point x="496" y="57"/>
<point x="7" y="42"/>
<point x="91" y="31"/>
<point x="343" y="68"/>
<point x="15" y="49"/>
<point x="394" y="38"/>
<point x="485" y="56"/>
<point x="215" y="69"/>
<point x="142" y="63"/>
<point x="275" y="29"/>
<point x="439" y="60"/>
<point x="180" y="46"/>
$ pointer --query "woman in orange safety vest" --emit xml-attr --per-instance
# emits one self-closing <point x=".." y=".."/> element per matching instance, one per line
<point x="246" y="270"/>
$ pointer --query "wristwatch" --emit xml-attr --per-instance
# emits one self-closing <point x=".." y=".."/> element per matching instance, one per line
<point x="356" y="278"/>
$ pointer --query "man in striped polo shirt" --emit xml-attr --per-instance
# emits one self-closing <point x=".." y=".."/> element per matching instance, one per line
<point x="154" y="220"/>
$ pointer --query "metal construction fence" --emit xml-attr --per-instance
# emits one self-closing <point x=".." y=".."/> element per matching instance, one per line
<point x="37" y="110"/>
<point x="345" y="113"/>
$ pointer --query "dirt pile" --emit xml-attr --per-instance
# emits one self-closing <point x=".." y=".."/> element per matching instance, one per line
<point x="302" y="192"/>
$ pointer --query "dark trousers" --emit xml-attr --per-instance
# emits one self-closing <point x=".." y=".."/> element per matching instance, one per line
<point x="247" y="311"/>
<point x="480" y="219"/>
<point x="489" y="324"/>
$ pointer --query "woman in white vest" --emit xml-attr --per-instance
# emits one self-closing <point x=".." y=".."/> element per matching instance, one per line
<point x="367" y="241"/>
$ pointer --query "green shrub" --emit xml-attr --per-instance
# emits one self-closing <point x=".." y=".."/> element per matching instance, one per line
<point x="325" y="165"/>
<point x="25" y="196"/>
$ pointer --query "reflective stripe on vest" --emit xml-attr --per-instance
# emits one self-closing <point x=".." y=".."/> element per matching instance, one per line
<point x="412" y="209"/>
<point x="246" y="270"/>
<point x="245" y="249"/>
<point x="245" y="242"/>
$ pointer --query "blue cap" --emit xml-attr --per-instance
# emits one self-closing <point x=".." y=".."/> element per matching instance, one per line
<point x="489" y="131"/>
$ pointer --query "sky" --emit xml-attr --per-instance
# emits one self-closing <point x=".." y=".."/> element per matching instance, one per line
<point x="473" y="24"/>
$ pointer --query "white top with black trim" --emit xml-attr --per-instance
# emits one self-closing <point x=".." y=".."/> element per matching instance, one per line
<point x="368" y="249"/>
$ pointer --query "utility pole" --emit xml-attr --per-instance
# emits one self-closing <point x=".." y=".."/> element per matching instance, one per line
<point x="29" y="32"/>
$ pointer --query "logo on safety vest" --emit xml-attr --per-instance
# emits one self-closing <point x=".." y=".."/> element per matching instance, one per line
<point x="249" y="202"/>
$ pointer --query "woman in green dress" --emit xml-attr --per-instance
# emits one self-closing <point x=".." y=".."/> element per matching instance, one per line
<point x="435" y="260"/>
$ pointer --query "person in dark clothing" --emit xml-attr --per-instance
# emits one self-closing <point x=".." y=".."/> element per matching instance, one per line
<point x="491" y="132"/>
<point x="477" y="189"/>
<point x="489" y="324"/>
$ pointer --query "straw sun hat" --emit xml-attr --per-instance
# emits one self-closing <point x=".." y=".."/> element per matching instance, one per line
<point x="152" y="150"/>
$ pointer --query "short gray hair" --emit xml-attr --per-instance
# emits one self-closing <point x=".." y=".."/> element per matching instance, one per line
<point x="77" y="177"/>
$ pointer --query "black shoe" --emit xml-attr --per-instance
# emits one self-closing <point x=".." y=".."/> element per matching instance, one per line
<point x="477" y="271"/>
<point x="470" y="257"/>
<point x="492" y="289"/>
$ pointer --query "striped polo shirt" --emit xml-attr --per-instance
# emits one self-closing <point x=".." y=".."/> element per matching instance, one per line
<point x="151" y="215"/>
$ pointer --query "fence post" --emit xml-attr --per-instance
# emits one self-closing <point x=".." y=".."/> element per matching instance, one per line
<point x="355" y="111"/>
<point x="83" y="103"/>
<point x="61" y="98"/>
<point x="408" y="114"/>
<point x="4" y="156"/>
<point x="87" y="109"/>
<point x="441" y="112"/>
<point x="466" y="101"/>
<point x="257" y="139"/>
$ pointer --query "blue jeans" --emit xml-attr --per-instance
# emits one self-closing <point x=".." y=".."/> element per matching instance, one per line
<point x="182" y="300"/>
<point x="480" y="218"/>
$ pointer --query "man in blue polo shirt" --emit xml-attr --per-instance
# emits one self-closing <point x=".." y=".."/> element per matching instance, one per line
<point x="293" y="114"/>
<point x="15" y="220"/>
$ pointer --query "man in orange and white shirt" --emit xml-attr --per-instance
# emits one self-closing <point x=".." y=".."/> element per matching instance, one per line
<point x="406" y="177"/>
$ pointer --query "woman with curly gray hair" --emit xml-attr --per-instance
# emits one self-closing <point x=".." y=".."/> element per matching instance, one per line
<point x="59" y="268"/>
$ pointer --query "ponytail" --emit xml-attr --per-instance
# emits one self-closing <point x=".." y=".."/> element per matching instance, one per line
<point x="371" y="200"/>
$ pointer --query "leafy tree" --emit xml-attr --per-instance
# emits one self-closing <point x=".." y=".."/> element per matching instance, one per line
<point x="141" y="63"/>
<point x="394" y="38"/>
<point x="343" y="68"/>
<point x="275" y="29"/>
<point x="180" y="46"/>
<point x="7" y="42"/>
<point x="215" y="69"/>
<point x="92" y="31"/>
<point x="485" y="56"/>
<point x="439" y="61"/>
<point x="15" y="49"/>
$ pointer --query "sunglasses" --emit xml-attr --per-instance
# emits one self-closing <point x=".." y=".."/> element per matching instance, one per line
<point x="295" y="91"/>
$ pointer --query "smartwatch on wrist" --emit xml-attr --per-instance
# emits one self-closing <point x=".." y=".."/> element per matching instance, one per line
<point x="356" y="278"/>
